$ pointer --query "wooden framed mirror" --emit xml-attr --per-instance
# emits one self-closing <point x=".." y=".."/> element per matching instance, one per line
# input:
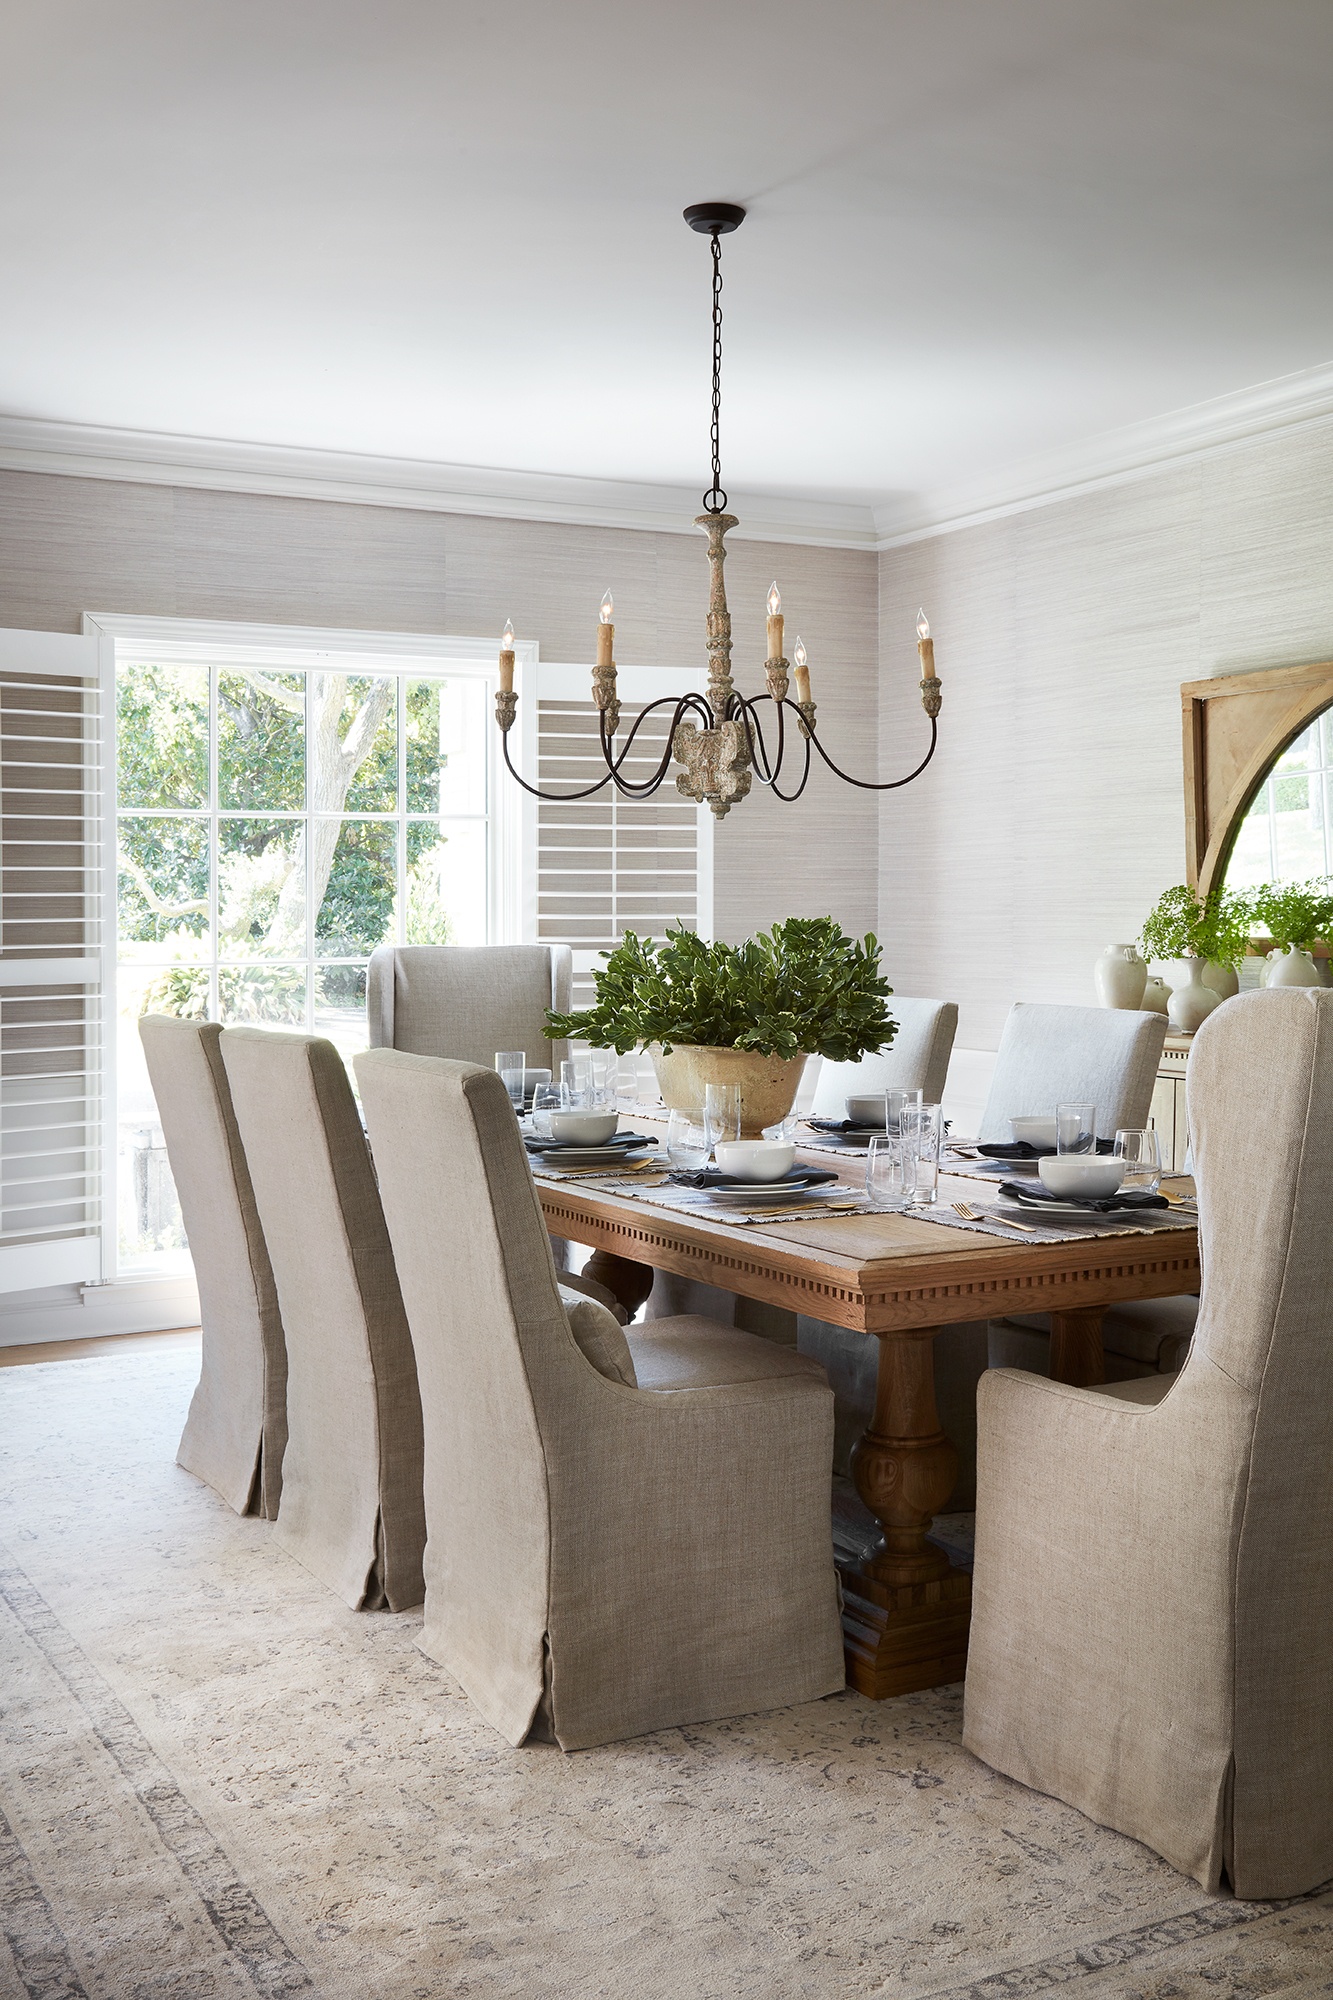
<point x="1238" y="728"/>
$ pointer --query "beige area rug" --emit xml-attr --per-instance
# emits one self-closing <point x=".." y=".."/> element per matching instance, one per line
<point x="218" y="1782"/>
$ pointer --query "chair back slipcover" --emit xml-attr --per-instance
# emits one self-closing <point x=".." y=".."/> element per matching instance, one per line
<point x="1067" y="1055"/>
<point x="468" y="1001"/>
<point x="236" y="1431"/>
<point x="916" y="1059"/>
<point x="1154" y="1579"/>
<point x="622" y="1558"/>
<point x="352" y="1508"/>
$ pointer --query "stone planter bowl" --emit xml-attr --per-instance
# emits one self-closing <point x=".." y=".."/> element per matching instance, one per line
<point x="768" y="1084"/>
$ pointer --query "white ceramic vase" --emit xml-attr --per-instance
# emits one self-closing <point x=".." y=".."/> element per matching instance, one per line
<point x="1191" y="1001"/>
<point x="1290" y="966"/>
<point x="1121" y="976"/>
<point x="1156" y="996"/>
<point x="1224" y="979"/>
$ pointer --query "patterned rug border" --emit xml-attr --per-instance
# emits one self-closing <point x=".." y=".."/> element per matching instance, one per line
<point x="1123" y="1947"/>
<point x="232" y="1907"/>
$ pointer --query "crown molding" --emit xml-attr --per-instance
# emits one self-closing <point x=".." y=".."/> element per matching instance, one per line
<point x="1113" y="458"/>
<point x="88" y="451"/>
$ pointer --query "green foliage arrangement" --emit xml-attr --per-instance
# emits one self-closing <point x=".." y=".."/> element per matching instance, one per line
<point x="1186" y="925"/>
<point x="1295" y="913"/>
<point x="804" y="987"/>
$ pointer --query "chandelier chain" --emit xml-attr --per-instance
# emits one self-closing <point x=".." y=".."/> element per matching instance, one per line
<point x="715" y="500"/>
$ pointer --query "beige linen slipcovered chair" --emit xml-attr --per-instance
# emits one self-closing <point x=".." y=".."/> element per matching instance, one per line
<point x="352" y="1509"/>
<point x="236" y="1431"/>
<point x="618" y="1544"/>
<point x="1154" y="1560"/>
<point x="467" y="1001"/>
<point x="916" y="1059"/>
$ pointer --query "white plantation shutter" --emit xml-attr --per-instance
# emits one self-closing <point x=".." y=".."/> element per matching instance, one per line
<point x="51" y="967"/>
<point x="607" y="865"/>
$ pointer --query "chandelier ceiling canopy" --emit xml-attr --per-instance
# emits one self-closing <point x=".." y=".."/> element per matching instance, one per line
<point x="717" y="737"/>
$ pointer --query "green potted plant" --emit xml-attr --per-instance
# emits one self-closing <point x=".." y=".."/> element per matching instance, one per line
<point x="1296" y="916"/>
<point x="747" y="1013"/>
<point x="1199" y="936"/>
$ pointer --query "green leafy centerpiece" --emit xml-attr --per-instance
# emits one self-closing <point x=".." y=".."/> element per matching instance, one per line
<point x="747" y="1014"/>
<point x="1206" y="937"/>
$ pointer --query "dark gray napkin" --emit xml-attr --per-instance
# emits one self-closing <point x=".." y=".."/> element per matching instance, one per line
<point x="1106" y="1205"/>
<point x="1023" y="1149"/>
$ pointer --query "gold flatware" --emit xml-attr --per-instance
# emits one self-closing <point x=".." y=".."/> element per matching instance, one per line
<point x="974" y="1215"/>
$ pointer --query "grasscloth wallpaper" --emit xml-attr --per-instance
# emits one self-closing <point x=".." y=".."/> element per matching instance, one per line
<point x="1054" y="815"/>
<point x="70" y="545"/>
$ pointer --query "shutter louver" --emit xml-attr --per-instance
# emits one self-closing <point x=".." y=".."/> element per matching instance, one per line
<point x="50" y="970"/>
<point x="608" y="865"/>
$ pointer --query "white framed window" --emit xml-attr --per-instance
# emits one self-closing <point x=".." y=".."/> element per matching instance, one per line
<point x="282" y="801"/>
<point x="1287" y="834"/>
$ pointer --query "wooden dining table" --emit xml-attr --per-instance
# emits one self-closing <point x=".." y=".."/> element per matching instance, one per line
<point x="899" y="1280"/>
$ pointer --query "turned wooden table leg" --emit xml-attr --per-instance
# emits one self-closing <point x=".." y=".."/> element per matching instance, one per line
<point x="630" y="1282"/>
<point x="1077" y="1354"/>
<point x="906" y="1608"/>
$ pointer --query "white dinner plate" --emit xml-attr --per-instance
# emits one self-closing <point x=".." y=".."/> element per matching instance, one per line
<point x="764" y="1192"/>
<point x="1073" y="1208"/>
<point x="591" y="1156"/>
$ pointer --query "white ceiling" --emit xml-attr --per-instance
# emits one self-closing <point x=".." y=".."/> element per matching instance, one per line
<point x="978" y="230"/>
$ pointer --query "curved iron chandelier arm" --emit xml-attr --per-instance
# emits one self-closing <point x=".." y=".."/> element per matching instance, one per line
<point x="552" y="798"/>
<point x="769" y="770"/>
<point x="868" y="785"/>
<point x="684" y="704"/>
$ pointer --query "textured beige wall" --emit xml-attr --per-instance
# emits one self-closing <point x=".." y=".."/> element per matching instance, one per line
<point x="70" y="545"/>
<point x="1052" y="817"/>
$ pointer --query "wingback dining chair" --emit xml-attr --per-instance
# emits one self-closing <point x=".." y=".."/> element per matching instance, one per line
<point x="1154" y="1559"/>
<point x="916" y="1059"/>
<point x="236" y="1431"/>
<point x="351" y="1509"/>
<point x="618" y="1543"/>
<point x="467" y="1001"/>
<point x="1108" y="1057"/>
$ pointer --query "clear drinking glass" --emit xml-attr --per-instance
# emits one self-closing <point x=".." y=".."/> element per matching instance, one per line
<point x="895" y="1103"/>
<point x="890" y="1173"/>
<point x="1142" y="1158"/>
<point x="511" y="1064"/>
<point x="687" y="1142"/>
<point x="545" y="1100"/>
<point x="1075" y="1128"/>
<point x="575" y="1084"/>
<point x="722" y="1112"/>
<point x="602" y="1078"/>
<point x="922" y="1126"/>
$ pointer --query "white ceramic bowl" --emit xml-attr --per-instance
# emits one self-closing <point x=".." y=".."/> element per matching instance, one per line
<point x="1037" y="1131"/>
<point x="867" y="1111"/>
<point x="754" y="1159"/>
<point x="1094" y="1176"/>
<point x="583" y="1128"/>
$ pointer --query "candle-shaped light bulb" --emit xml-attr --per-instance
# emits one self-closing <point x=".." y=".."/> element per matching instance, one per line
<point x="775" y="623"/>
<point x="801" y="658"/>
<point x="606" y="631"/>
<point x="507" y="658"/>
<point x="507" y="638"/>
<point x="925" y="646"/>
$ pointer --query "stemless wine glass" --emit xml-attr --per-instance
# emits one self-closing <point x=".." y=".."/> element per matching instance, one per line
<point x="890" y="1173"/>
<point x="1075" y="1128"/>
<point x="687" y="1140"/>
<point x="1142" y="1158"/>
<point x="575" y="1084"/>
<point x="545" y="1100"/>
<point x="722" y="1112"/>
<point x="922" y="1126"/>
<point x="511" y="1063"/>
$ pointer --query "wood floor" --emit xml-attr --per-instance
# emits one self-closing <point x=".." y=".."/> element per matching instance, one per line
<point x="111" y="1343"/>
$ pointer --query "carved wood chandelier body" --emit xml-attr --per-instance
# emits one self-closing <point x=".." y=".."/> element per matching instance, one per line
<point x="717" y="738"/>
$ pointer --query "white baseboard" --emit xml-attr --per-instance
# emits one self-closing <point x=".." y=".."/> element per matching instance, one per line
<point x="87" y="1312"/>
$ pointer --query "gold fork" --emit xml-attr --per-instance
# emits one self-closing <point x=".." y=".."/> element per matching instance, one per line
<point x="972" y="1215"/>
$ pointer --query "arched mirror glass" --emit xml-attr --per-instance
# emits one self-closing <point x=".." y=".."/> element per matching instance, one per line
<point x="1286" y="835"/>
